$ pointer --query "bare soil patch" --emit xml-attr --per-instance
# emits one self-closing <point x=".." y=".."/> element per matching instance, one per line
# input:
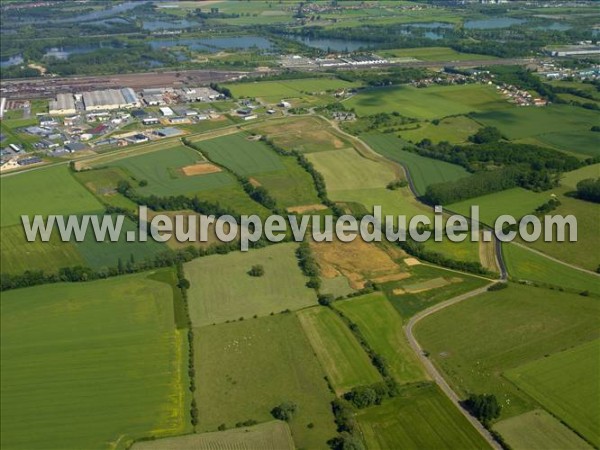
<point x="306" y="208"/>
<point x="202" y="168"/>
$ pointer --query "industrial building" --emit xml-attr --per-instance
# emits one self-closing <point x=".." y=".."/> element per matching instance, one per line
<point x="110" y="99"/>
<point x="63" y="104"/>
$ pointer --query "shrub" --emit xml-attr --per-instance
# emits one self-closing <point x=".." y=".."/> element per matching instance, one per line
<point x="256" y="271"/>
<point x="284" y="411"/>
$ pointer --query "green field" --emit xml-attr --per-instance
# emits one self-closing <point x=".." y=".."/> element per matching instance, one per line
<point x="517" y="202"/>
<point x="475" y="341"/>
<point x="274" y="91"/>
<point x="18" y="255"/>
<point x="566" y="383"/>
<point x="455" y="129"/>
<point x="523" y="264"/>
<point x="266" y="436"/>
<point x="345" y="362"/>
<point x="240" y="154"/>
<point x="347" y="169"/>
<point x="381" y="326"/>
<point x="292" y="186"/>
<point x="103" y="183"/>
<point x="432" y="54"/>
<point x="245" y="369"/>
<point x="423" y="171"/>
<point x="538" y="430"/>
<point x="427" y="103"/>
<point x="235" y="198"/>
<point x="51" y="190"/>
<point x="161" y="169"/>
<point x="410" y="302"/>
<point x="222" y="290"/>
<point x="420" y="418"/>
<point x="91" y="365"/>
<point x="569" y="126"/>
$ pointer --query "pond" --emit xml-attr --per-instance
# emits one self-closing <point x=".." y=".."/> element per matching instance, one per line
<point x="12" y="61"/>
<point x="495" y="22"/>
<point x="154" y="25"/>
<point x="338" y="45"/>
<point x="555" y="26"/>
<point x="65" y="52"/>
<point x="214" y="45"/>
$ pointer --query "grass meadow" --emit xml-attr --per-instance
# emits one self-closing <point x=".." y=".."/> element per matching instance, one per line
<point x="240" y="154"/>
<point x="476" y="341"/>
<point x="454" y="129"/>
<point x="523" y="264"/>
<point x="538" y="430"/>
<point x="381" y="326"/>
<point x="91" y="365"/>
<point x="274" y="91"/>
<point x="345" y="362"/>
<point x="162" y="170"/>
<point x="427" y="103"/>
<point x="273" y="435"/>
<point x="423" y="171"/>
<point x="244" y="369"/>
<point x="222" y="290"/>
<point x="51" y="190"/>
<point x="421" y="417"/>
<point x="346" y="169"/>
<point x="566" y="383"/>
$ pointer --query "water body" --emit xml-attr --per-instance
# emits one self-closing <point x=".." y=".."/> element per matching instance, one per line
<point x="65" y="52"/>
<point x="430" y="25"/>
<point x="12" y="61"/>
<point x="104" y="13"/>
<point x="214" y="45"/>
<point x="338" y="45"/>
<point x="496" y="22"/>
<point x="154" y="25"/>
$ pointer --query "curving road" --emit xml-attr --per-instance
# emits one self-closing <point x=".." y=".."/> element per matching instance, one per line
<point x="432" y="370"/>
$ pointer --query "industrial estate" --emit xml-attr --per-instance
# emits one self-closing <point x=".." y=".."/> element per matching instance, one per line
<point x="299" y="108"/>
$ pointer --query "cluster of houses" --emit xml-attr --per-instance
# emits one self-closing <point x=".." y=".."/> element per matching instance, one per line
<point x="520" y="97"/>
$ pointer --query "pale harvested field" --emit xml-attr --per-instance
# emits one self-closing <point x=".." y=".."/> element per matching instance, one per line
<point x="200" y="169"/>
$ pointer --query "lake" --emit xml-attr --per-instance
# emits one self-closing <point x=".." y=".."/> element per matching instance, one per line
<point x="214" y="45"/>
<point x="496" y="22"/>
<point x="337" y="45"/>
<point x="154" y="25"/>
<point x="12" y="61"/>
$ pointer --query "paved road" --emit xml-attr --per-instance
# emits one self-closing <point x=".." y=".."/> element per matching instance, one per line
<point x="431" y="369"/>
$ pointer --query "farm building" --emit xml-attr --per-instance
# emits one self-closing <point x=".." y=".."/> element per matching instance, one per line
<point x="167" y="132"/>
<point x="150" y="121"/>
<point x="63" y="104"/>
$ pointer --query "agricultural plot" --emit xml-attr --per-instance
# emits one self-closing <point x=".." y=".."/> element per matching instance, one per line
<point x="266" y="436"/>
<point x="73" y="352"/>
<point x="240" y="154"/>
<point x="51" y="190"/>
<point x="538" y="430"/>
<point x="566" y="383"/>
<point x="235" y="198"/>
<point x="244" y="369"/>
<point x="523" y="264"/>
<point x="346" y="170"/>
<point x="421" y="417"/>
<point x="452" y="129"/>
<point x="290" y="187"/>
<point x="275" y="91"/>
<point x="222" y="290"/>
<point x="427" y="103"/>
<point x="103" y="184"/>
<point x="519" y="123"/>
<point x="18" y="255"/>
<point x="496" y="334"/>
<point x="340" y="354"/>
<point x="357" y="261"/>
<point x="588" y="234"/>
<point x="423" y="171"/>
<point x="432" y="54"/>
<point x="163" y="172"/>
<point x="426" y="286"/>
<point x="304" y="134"/>
<point x="381" y="326"/>
<point x="98" y="254"/>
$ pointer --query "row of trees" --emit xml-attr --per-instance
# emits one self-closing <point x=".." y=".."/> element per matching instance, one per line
<point x="589" y="190"/>
<point x="308" y="264"/>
